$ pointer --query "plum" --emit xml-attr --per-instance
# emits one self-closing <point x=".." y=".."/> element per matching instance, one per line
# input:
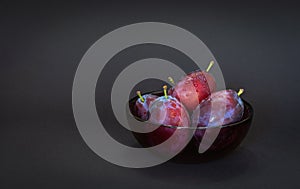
<point x="193" y="88"/>
<point x="167" y="110"/>
<point x="204" y="115"/>
<point x="142" y="105"/>
<point x="207" y="117"/>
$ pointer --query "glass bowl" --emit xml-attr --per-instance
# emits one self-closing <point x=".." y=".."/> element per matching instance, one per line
<point x="228" y="139"/>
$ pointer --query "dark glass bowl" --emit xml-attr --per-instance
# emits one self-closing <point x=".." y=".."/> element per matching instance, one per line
<point x="228" y="139"/>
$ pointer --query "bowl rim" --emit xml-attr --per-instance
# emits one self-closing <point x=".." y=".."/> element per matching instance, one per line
<point x="250" y="108"/>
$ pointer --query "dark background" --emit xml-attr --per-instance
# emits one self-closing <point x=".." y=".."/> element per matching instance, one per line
<point x="41" y="45"/>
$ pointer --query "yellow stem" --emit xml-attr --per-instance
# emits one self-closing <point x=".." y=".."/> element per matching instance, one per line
<point x="171" y="80"/>
<point x="210" y="65"/>
<point x="139" y="94"/>
<point x="165" y="91"/>
<point x="240" y="92"/>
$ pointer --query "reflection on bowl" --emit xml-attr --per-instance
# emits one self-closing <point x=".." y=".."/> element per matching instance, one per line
<point x="230" y="136"/>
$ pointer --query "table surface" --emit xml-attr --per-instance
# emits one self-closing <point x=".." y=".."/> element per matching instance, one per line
<point x="256" y="45"/>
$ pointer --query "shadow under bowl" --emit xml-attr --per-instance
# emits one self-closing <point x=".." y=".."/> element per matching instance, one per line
<point x="229" y="138"/>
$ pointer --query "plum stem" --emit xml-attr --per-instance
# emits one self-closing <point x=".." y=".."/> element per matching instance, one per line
<point x="140" y="96"/>
<point x="240" y="92"/>
<point x="210" y="65"/>
<point x="171" y="80"/>
<point x="165" y="91"/>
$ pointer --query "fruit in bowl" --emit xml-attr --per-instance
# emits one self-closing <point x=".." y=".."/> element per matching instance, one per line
<point x="230" y="136"/>
<point x="194" y="87"/>
<point x="167" y="110"/>
<point x="169" y="113"/>
<point x="205" y="116"/>
<point x="142" y="105"/>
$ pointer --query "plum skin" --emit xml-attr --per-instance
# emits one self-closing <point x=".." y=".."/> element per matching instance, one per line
<point x="204" y="116"/>
<point x="168" y="111"/>
<point x="193" y="88"/>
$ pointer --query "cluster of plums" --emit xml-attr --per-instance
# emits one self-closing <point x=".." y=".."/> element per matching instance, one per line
<point x="192" y="101"/>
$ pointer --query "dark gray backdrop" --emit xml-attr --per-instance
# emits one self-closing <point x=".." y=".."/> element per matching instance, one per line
<point x="255" y="43"/>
